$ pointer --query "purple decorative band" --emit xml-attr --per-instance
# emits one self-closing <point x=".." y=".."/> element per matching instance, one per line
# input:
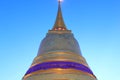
<point x="59" y="64"/>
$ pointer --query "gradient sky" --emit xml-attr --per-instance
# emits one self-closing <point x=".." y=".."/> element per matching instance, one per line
<point x="95" y="24"/>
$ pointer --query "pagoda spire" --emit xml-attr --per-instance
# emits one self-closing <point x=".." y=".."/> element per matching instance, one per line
<point x="59" y="23"/>
<point x="59" y="56"/>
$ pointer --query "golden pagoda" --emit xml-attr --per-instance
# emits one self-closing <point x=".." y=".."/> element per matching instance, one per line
<point x="59" y="56"/>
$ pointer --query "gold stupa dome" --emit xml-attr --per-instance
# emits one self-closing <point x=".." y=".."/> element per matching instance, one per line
<point x="59" y="56"/>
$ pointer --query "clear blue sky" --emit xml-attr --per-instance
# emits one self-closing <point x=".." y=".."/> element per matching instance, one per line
<point x="95" y="24"/>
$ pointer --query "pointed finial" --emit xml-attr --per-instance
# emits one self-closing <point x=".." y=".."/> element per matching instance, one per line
<point x="60" y="1"/>
<point x="59" y="23"/>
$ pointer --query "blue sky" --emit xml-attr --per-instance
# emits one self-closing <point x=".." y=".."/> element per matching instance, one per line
<point x="95" y="24"/>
